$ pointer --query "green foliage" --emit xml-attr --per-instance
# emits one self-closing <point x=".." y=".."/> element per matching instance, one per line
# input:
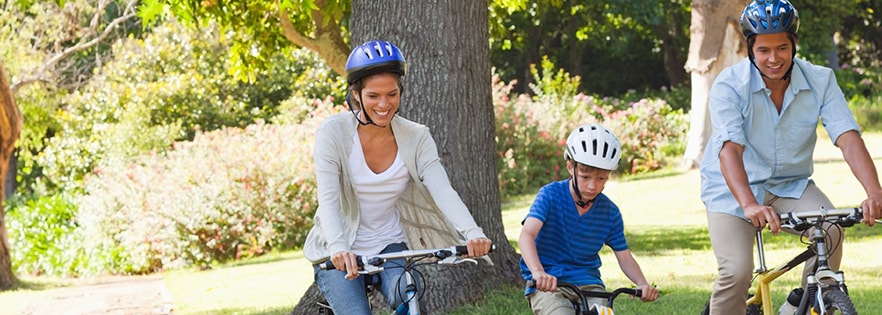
<point x="41" y="232"/>
<point x="253" y="26"/>
<point x="863" y="89"/>
<point x="819" y="20"/>
<point x="597" y="40"/>
<point x="167" y="87"/>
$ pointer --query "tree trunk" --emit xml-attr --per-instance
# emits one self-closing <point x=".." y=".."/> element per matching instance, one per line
<point x="447" y="87"/>
<point x="716" y="43"/>
<point x="11" y="122"/>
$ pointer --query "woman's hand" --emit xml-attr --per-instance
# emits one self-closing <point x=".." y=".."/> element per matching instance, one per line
<point x="345" y="261"/>
<point x="479" y="246"/>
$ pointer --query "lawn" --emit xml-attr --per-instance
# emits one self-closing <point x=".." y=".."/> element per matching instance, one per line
<point x="665" y="225"/>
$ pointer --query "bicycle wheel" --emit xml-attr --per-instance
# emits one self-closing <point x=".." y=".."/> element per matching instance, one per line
<point x="838" y="302"/>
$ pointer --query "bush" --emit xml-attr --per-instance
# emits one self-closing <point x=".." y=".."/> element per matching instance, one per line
<point x="227" y="194"/>
<point x="42" y="234"/>
<point x="531" y="131"/>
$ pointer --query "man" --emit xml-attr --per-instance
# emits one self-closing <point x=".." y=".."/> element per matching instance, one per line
<point x="764" y="113"/>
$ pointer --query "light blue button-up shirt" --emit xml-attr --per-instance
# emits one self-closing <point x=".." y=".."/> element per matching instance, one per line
<point x="778" y="148"/>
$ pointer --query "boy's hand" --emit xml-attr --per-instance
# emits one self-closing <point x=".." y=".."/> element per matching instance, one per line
<point x="544" y="281"/>
<point x="649" y="293"/>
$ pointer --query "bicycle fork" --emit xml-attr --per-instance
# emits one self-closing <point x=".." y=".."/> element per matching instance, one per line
<point x="822" y="280"/>
<point x="410" y="305"/>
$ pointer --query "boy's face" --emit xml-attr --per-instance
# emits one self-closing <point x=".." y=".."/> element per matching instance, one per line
<point x="591" y="180"/>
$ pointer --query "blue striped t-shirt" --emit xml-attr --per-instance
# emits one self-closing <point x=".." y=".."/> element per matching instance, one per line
<point x="568" y="244"/>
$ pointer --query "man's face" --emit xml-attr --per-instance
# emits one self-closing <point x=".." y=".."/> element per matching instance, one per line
<point x="773" y="54"/>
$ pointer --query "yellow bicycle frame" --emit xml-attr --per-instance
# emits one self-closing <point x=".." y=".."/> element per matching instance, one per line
<point x="764" y="278"/>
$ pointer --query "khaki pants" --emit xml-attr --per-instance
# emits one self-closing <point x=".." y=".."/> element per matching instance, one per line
<point x="733" y="239"/>
<point x="559" y="302"/>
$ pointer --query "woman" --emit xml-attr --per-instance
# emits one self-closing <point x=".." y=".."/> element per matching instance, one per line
<point x="381" y="185"/>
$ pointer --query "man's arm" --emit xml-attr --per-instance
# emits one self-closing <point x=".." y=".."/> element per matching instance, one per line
<point x="854" y="150"/>
<point x="732" y="166"/>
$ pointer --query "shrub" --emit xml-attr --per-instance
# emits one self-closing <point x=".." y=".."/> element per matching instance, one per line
<point x="227" y="194"/>
<point x="42" y="234"/>
<point x="531" y="131"/>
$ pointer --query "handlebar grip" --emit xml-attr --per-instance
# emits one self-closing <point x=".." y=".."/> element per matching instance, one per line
<point x="328" y="265"/>
<point x="634" y="292"/>
<point x="464" y="250"/>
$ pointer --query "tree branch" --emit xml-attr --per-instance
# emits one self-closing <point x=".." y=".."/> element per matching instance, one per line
<point x="40" y="75"/>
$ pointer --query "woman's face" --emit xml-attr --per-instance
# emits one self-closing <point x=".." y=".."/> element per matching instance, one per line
<point x="380" y="97"/>
<point x="773" y="54"/>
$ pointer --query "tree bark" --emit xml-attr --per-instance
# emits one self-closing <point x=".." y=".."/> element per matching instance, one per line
<point x="11" y="122"/>
<point x="716" y="43"/>
<point x="447" y="88"/>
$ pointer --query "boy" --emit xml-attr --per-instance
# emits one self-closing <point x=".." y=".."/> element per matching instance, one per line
<point x="570" y="221"/>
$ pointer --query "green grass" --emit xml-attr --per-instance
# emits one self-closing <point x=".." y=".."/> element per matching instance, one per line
<point x="665" y="224"/>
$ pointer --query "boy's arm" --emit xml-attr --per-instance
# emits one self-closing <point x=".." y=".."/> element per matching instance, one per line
<point x="527" y="244"/>
<point x="632" y="270"/>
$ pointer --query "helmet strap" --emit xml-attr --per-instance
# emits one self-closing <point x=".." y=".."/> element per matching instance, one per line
<point x="582" y="203"/>
<point x="363" y="111"/>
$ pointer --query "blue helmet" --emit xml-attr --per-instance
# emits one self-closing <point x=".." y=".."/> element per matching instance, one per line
<point x="769" y="17"/>
<point x="374" y="57"/>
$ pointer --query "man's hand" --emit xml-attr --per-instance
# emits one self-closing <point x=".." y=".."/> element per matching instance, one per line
<point x="872" y="208"/>
<point x="762" y="215"/>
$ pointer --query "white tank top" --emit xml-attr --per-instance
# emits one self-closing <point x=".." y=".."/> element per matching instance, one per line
<point x="377" y="194"/>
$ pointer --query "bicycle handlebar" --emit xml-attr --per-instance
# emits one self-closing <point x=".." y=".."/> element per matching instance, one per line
<point x="600" y="294"/>
<point x="442" y="254"/>
<point x="801" y="220"/>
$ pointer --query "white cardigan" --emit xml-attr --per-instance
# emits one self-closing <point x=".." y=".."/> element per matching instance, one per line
<point x="432" y="213"/>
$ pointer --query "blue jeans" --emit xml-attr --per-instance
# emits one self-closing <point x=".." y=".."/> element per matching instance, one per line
<point x="348" y="296"/>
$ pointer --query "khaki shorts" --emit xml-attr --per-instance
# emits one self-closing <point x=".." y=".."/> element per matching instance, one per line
<point x="559" y="302"/>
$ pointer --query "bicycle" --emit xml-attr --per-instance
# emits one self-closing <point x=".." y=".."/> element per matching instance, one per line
<point x="413" y="258"/>
<point x="826" y="291"/>
<point x="580" y="300"/>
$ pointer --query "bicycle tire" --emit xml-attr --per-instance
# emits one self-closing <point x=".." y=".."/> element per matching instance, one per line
<point x="837" y="300"/>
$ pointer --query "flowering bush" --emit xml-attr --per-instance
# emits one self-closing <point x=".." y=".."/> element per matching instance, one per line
<point x="531" y="132"/>
<point x="227" y="194"/>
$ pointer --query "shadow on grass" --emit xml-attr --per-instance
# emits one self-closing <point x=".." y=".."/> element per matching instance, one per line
<point x="681" y="238"/>
<point x="41" y="284"/>
<point x="697" y="238"/>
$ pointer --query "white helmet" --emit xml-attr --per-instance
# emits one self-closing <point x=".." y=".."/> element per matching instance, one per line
<point x="594" y="145"/>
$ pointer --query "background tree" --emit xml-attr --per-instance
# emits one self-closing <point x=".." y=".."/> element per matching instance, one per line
<point x="596" y="40"/>
<point x="74" y="47"/>
<point x="262" y="28"/>
<point x="447" y="87"/>
<point x="10" y="128"/>
<point x="715" y="43"/>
